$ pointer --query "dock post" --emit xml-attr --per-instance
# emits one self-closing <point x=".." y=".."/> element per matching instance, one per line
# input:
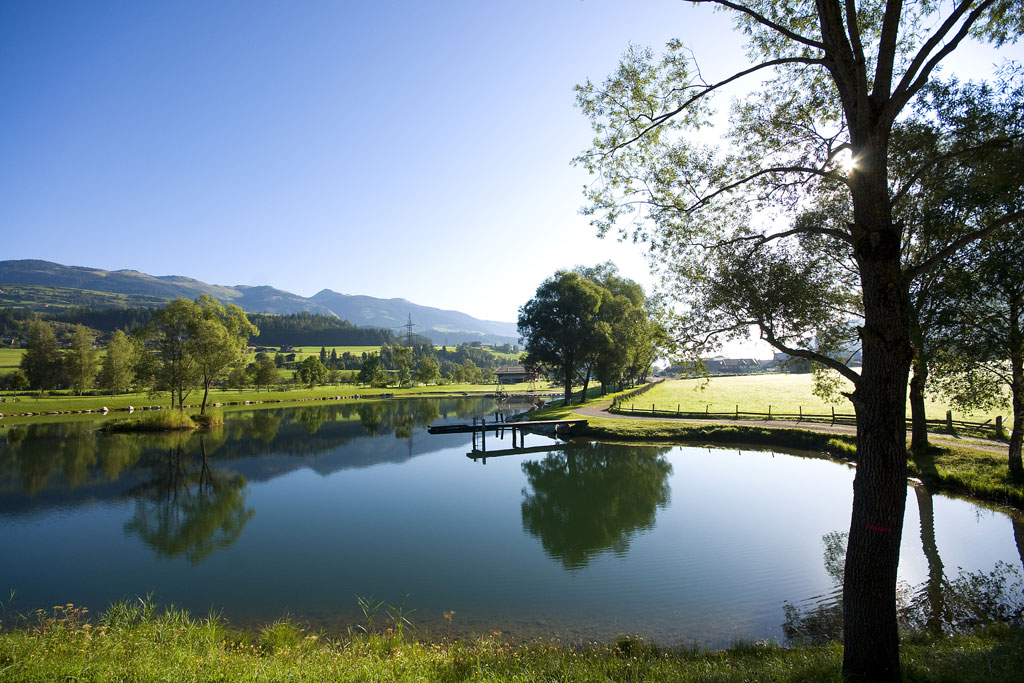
<point x="483" y="434"/>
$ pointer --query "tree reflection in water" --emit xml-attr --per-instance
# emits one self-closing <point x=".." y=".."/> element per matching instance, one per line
<point x="187" y="508"/>
<point x="938" y="605"/>
<point x="591" y="499"/>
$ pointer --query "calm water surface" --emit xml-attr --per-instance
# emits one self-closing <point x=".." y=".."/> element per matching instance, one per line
<point x="298" y="511"/>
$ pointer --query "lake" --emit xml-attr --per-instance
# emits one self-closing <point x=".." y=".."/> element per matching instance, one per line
<point x="301" y="511"/>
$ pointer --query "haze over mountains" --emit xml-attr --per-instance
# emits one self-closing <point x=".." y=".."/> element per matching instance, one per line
<point x="119" y="288"/>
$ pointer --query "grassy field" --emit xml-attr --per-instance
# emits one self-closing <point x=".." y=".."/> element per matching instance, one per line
<point x="132" y="641"/>
<point x="303" y="351"/>
<point x="62" y="402"/>
<point x="10" y="359"/>
<point x="961" y="469"/>
<point x="785" y="393"/>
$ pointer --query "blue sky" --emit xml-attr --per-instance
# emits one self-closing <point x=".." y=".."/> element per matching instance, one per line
<point x="396" y="149"/>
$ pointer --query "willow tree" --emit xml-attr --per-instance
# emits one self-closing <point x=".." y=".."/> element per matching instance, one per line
<point x="837" y="77"/>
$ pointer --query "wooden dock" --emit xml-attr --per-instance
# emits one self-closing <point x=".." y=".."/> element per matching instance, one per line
<point x="559" y="426"/>
<point x="556" y="427"/>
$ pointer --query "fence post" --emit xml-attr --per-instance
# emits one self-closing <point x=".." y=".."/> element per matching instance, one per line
<point x="706" y="409"/>
<point x="999" y="426"/>
<point x="769" y="411"/>
<point x="949" y="420"/>
<point x="833" y="414"/>
<point x="677" y="410"/>
<point x="801" y="409"/>
<point x="737" y="411"/>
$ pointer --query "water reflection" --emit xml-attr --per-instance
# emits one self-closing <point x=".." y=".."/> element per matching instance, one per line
<point x="190" y="490"/>
<point x="573" y="542"/>
<point x="939" y="604"/>
<point x="187" y="508"/>
<point x="587" y="500"/>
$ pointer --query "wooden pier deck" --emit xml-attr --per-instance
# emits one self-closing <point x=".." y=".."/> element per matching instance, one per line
<point x="556" y="427"/>
<point x="559" y="425"/>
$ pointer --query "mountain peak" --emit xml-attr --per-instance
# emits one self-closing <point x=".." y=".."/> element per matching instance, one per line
<point x="139" y="289"/>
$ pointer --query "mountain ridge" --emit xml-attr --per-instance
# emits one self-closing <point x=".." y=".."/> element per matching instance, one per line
<point x="442" y="326"/>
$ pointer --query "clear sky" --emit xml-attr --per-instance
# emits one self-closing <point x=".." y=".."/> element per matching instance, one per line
<point x="393" y="148"/>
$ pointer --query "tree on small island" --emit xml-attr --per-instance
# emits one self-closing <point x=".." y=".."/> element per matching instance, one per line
<point x="195" y="342"/>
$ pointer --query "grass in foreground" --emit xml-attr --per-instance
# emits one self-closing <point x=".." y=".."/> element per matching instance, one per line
<point x="131" y="641"/>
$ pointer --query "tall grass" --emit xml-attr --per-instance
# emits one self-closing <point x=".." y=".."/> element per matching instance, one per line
<point x="133" y="641"/>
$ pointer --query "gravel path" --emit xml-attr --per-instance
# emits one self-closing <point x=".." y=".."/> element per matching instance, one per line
<point x="601" y="410"/>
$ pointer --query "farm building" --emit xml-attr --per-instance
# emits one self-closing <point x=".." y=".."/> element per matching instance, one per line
<point x="513" y="374"/>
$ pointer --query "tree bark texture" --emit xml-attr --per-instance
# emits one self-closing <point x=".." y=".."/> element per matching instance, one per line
<point x="871" y="642"/>
<point x="1017" y="399"/>
<point x="918" y="381"/>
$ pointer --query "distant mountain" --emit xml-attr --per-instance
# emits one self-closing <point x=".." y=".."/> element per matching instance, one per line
<point x="42" y="284"/>
<point x="435" y="323"/>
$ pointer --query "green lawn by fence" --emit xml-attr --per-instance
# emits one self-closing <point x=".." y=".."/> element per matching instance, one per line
<point x="785" y="393"/>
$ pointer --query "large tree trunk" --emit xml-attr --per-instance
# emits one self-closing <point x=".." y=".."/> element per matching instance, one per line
<point x="871" y="642"/>
<point x="1017" y="399"/>
<point x="918" y="418"/>
<point x="567" y="372"/>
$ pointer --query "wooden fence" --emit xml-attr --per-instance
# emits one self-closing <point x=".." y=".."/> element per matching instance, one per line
<point x="619" y="407"/>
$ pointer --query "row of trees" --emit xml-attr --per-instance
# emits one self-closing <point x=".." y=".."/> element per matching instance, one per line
<point x="850" y="179"/>
<point x="187" y="344"/>
<point x="591" y="322"/>
<point x="192" y="344"/>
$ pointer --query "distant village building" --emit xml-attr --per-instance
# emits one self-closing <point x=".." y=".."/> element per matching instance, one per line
<point x="733" y="366"/>
<point x="720" y="366"/>
<point x="513" y="374"/>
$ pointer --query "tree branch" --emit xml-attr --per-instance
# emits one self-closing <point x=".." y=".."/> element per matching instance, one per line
<point x="995" y="143"/>
<point x="958" y="244"/>
<point x="854" y="30"/>
<point x="661" y="119"/>
<point x="887" y="48"/>
<point x="811" y="230"/>
<point x="832" y="363"/>
<point x="916" y="76"/>
<point x="764" y="21"/>
<point x="763" y="172"/>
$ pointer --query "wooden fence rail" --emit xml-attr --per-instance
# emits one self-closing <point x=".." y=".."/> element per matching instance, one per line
<point x="832" y="418"/>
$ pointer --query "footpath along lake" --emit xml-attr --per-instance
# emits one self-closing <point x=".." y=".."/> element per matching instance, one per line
<point x="297" y="511"/>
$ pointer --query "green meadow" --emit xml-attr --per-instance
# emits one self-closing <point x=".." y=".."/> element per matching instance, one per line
<point x="64" y="402"/>
<point x="785" y="393"/>
<point x="10" y="359"/>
